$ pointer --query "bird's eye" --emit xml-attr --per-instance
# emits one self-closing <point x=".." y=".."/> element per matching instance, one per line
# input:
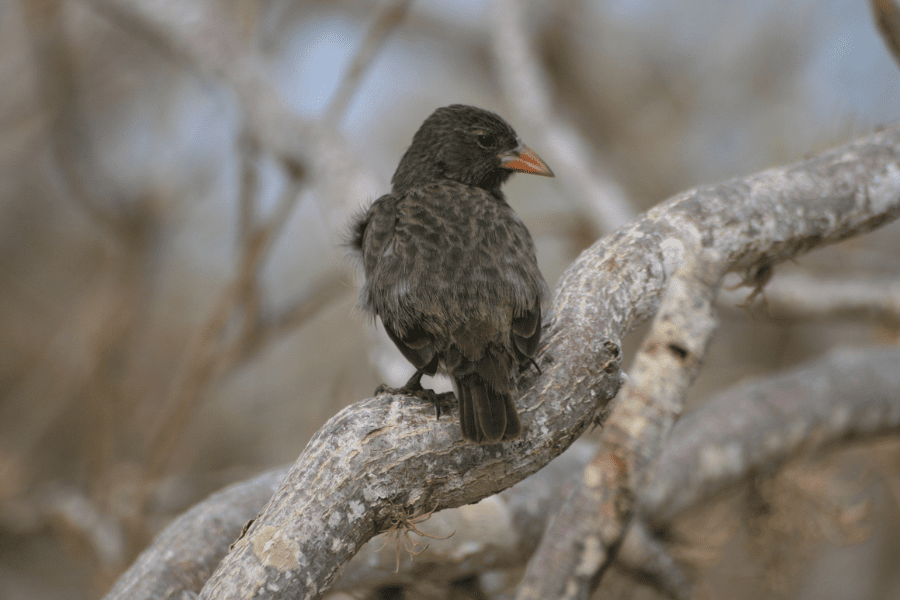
<point x="486" y="140"/>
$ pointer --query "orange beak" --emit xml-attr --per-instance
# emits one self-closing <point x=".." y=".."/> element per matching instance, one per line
<point x="524" y="160"/>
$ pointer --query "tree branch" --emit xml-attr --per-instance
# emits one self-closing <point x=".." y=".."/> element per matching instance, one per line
<point x="386" y="454"/>
<point x="184" y="555"/>
<point x="391" y="16"/>
<point x="803" y="296"/>
<point x="753" y="427"/>
<point x="580" y="173"/>
<point x="848" y="395"/>
<point x="887" y="21"/>
<point x="585" y="535"/>
<point x="200" y="33"/>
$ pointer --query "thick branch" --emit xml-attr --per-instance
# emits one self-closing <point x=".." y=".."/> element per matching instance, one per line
<point x="803" y="296"/>
<point x="847" y="396"/>
<point x="850" y="394"/>
<point x="500" y="532"/>
<point x="183" y="556"/>
<point x="589" y="529"/>
<point x="863" y="406"/>
<point x="387" y="453"/>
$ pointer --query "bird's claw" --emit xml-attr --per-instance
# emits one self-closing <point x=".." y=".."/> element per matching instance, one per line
<point x="417" y="391"/>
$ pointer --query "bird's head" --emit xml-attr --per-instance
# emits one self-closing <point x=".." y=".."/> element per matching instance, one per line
<point x="467" y="145"/>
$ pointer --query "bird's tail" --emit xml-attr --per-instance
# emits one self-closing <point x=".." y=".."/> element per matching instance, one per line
<point x="487" y="413"/>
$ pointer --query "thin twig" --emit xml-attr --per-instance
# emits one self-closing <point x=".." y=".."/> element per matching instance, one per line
<point x="887" y="20"/>
<point x="249" y="153"/>
<point x="213" y="352"/>
<point x="60" y="94"/>
<point x="527" y="87"/>
<point x="391" y="16"/>
<point x="204" y="37"/>
<point x="324" y="292"/>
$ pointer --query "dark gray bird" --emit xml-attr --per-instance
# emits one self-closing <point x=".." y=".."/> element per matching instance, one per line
<point x="450" y="267"/>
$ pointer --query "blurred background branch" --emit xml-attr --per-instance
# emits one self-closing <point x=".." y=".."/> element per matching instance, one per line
<point x="887" y="18"/>
<point x="528" y="90"/>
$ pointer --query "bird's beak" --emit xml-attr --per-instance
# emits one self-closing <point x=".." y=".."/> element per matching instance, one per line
<point x="524" y="160"/>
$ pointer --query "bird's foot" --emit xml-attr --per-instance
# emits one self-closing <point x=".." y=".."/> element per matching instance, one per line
<point x="439" y="401"/>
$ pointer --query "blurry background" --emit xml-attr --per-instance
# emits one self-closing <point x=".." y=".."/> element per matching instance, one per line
<point x="176" y="309"/>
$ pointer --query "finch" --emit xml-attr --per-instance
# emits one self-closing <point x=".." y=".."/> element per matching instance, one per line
<point x="451" y="270"/>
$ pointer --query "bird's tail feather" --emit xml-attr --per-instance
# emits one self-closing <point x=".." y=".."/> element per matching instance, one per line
<point x="486" y="414"/>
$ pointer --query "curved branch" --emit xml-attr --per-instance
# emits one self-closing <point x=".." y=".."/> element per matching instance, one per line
<point x="863" y="406"/>
<point x="586" y="534"/>
<point x="498" y="533"/>
<point x="848" y="395"/>
<point x="799" y="295"/>
<point x="386" y="454"/>
<point x="183" y="556"/>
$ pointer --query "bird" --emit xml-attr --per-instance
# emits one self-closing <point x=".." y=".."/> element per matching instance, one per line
<point x="450" y="268"/>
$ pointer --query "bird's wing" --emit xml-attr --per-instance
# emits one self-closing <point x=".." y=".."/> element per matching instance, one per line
<point x="375" y="236"/>
<point x="526" y="331"/>
<point x="416" y="345"/>
<point x="373" y="232"/>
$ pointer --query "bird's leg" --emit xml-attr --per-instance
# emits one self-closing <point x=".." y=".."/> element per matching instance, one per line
<point x="410" y="388"/>
<point x="415" y="382"/>
<point x="413" y="387"/>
